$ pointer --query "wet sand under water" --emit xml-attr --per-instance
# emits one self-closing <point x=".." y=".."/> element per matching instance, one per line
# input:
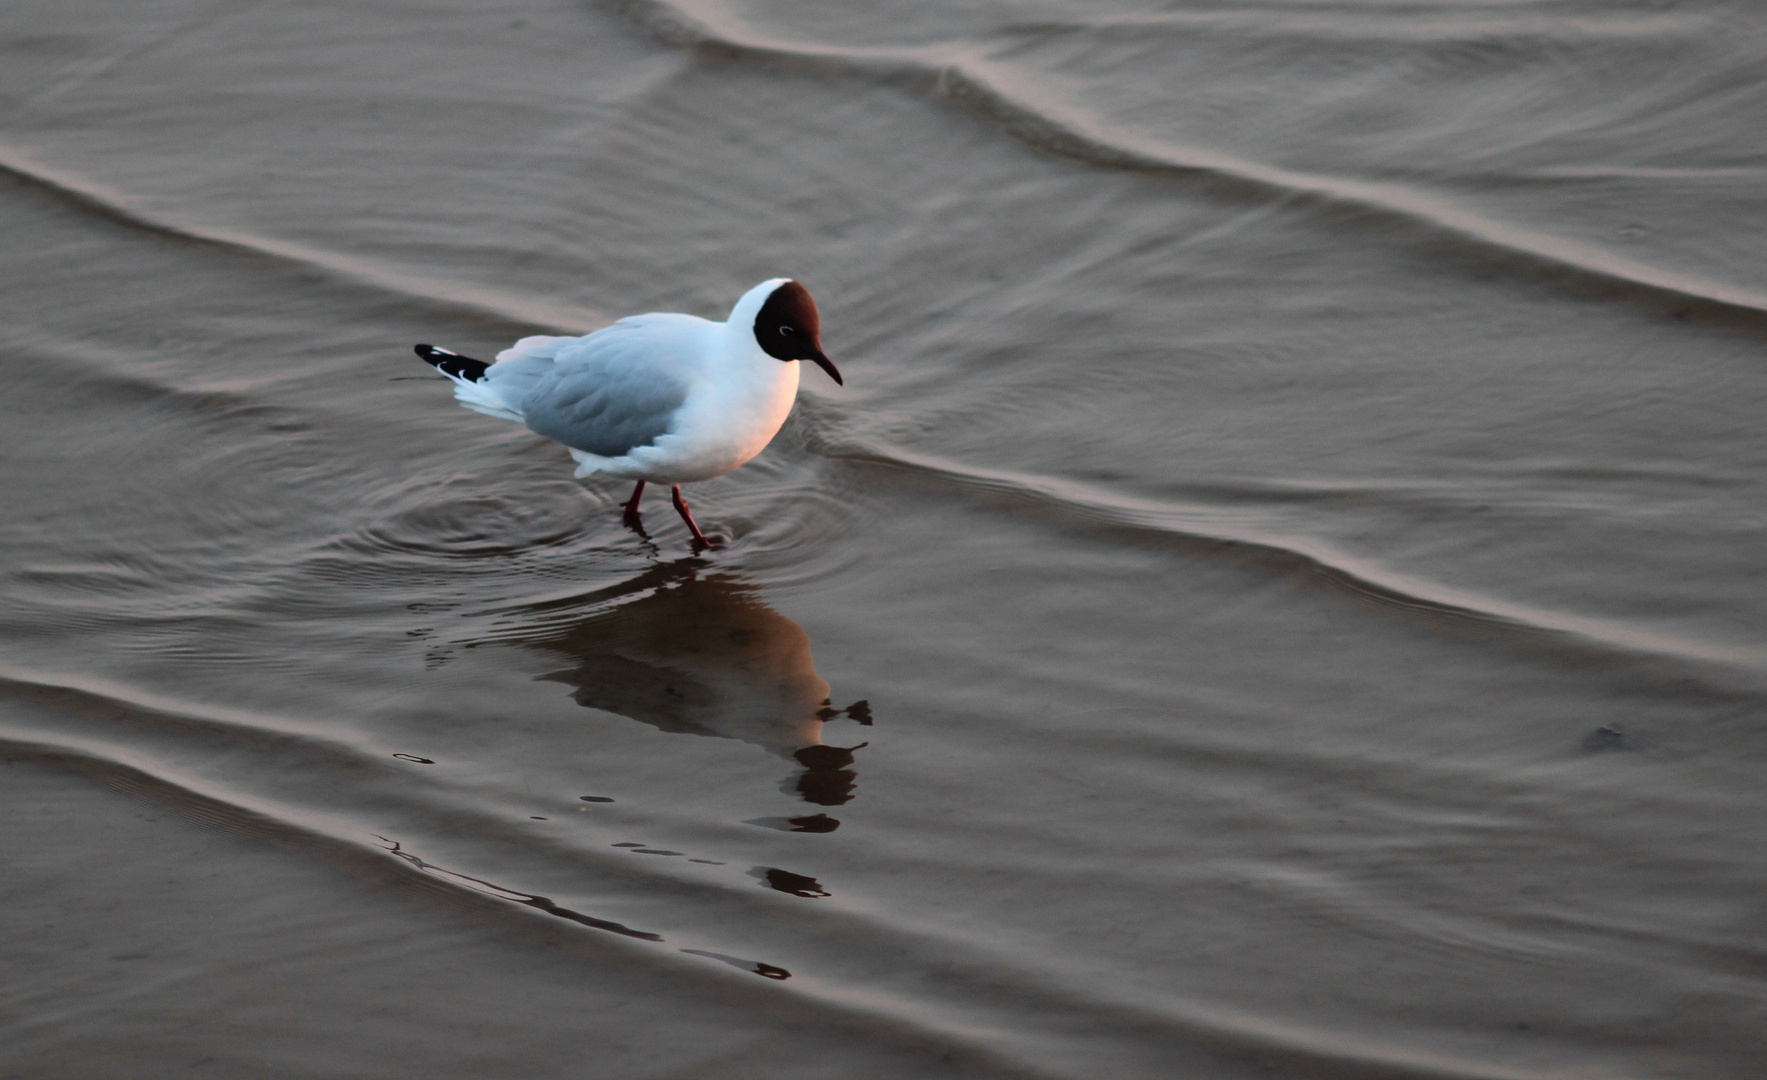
<point x="1280" y="593"/>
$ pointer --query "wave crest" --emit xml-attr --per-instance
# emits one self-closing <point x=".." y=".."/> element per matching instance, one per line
<point x="996" y="92"/>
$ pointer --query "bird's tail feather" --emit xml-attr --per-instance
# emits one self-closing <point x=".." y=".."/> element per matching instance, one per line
<point x="471" y="388"/>
<point x="587" y="464"/>
<point x="452" y="363"/>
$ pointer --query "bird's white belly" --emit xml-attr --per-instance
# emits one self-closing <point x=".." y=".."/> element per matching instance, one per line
<point x="718" y="430"/>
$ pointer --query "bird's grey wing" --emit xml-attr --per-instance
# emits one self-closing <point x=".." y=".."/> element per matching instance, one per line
<point x="612" y="392"/>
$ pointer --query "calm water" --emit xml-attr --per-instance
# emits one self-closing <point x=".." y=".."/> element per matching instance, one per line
<point x="1280" y="595"/>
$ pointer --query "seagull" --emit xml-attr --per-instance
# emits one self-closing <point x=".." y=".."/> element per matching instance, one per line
<point x="659" y="398"/>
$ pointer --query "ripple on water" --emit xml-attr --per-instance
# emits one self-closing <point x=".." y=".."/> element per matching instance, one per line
<point x="480" y="524"/>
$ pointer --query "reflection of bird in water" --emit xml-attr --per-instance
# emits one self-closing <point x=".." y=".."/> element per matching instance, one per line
<point x="705" y="656"/>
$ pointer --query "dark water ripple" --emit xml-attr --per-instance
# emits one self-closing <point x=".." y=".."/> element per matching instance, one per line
<point x="1236" y="533"/>
<point x="316" y="833"/>
<point x="507" y="315"/>
<point x="1008" y="98"/>
<point x="1012" y="99"/>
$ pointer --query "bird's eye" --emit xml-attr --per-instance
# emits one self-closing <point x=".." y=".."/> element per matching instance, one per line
<point x="787" y="331"/>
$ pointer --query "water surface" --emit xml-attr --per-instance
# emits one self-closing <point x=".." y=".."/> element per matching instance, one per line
<point x="1280" y="593"/>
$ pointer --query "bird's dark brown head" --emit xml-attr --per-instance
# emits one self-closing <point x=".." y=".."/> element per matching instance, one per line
<point x="787" y="328"/>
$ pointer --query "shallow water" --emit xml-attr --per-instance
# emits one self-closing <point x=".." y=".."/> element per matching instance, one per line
<point x="1280" y="593"/>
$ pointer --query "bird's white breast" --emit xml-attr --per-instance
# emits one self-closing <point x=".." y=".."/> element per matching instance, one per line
<point x="733" y="410"/>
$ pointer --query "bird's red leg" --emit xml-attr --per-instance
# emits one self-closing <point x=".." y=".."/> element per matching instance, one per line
<point x="631" y="504"/>
<point x="681" y="507"/>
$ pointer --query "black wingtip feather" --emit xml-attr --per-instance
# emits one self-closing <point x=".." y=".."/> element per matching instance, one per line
<point x="452" y="363"/>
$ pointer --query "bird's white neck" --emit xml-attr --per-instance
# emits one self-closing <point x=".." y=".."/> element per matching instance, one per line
<point x="742" y="350"/>
<point x="749" y="306"/>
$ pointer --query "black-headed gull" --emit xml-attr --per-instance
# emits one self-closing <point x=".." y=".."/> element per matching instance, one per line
<point x="659" y="398"/>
